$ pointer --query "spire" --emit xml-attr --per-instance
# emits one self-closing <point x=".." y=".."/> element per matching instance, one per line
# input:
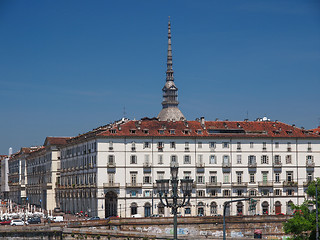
<point x="169" y="56"/>
<point x="170" y="110"/>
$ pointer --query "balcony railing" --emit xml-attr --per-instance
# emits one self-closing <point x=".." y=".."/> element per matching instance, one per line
<point x="265" y="184"/>
<point x="309" y="163"/>
<point x="111" y="185"/>
<point x="252" y="164"/>
<point x="226" y="164"/>
<point x="277" y="164"/>
<point x="133" y="185"/>
<point x="213" y="184"/>
<point x="200" y="164"/>
<point x="111" y="165"/>
<point x="239" y="184"/>
<point x="146" y="164"/>
<point x="290" y="184"/>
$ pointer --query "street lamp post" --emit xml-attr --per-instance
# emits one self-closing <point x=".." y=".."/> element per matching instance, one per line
<point x="163" y="191"/>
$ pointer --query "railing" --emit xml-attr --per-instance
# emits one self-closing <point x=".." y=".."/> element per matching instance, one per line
<point x="146" y="164"/>
<point x="265" y="184"/>
<point x="237" y="184"/>
<point x="111" y="185"/>
<point x="200" y="164"/>
<point x="213" y="184"/>
<point x="309" y="163"/>
<point x="290" y="184"/>
<point x="277" y="164"/>
<point x="133" y="185"/>
<point x="252" y="164"/>
<point x="111" y="165"/>
<point x="226" y="164"/>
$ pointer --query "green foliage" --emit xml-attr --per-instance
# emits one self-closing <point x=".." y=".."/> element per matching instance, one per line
<point x="303" y="223"/>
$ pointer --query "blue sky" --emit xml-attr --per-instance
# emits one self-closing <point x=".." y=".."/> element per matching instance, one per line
<point x="67" y="67"/>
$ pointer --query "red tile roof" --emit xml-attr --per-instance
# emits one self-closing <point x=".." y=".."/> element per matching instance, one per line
<point x="225" y="129"/>
<point x="316" y="130"/>
<point x="56" y="141"/>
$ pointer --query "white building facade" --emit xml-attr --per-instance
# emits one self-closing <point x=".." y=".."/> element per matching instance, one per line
<point x="112" y="171"/>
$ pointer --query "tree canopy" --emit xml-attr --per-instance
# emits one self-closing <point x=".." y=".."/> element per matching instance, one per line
<point x="303" y="223"/>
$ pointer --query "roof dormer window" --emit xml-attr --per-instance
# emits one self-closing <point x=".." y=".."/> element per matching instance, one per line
<point x="113" y="131"/>
<point x="133" y="131"/>
<point x="199" y="132"/>
<point x="172" y="131"/>
<point x="161" y="131"/>
<point x="146" y="131"/>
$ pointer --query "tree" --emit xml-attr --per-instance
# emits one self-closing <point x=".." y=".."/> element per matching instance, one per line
<point x="303" y="223"/>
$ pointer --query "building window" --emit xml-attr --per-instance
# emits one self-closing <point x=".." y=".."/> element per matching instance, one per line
<point x="309" y="147"/>
<point x="264" y="159"/>
<point x="147" y="179"/>
<point x="133" y="193"/>
<point x="252" y="193"/>
<point x="252" y="160"/>
<point x="288" y="159"/>
<point x="276" y="144"/>
<point x="147" y="193"/>
<point x="134" y="208"/>
<point x="225" y="145"/>
<point x="251" y="144"/>
<point x="186" y="146"/>
<point x="200" y="179"/>
<point x="212" y="145"/>
<point x="212" y="159"/>
<point x="239" y="159"/>
<point x="226" y="193"/>
<point x="290" y="192"/>
<point x="213" y="192"/>
<point x="213" y="177"/>
<point x="213" y="208"/>
<point x="310" y="176"/>
<point x="133" y="178"/>
<point x="172" y="145"/>
<point x="174" y="159"/>
<point x="160" y="146"/>
<point x="225" y="160"/>
<point x="200" y="159"/>
<point x="277" y="192"/>
<point x="252" y="178"/>
<point x="199" y="144"/>
<point x="172" y="131"/>
<point x="160" y="159"/>
<point x="133" y="146"/>
<point x="111" y="178"/>
<point x="289" y="146"/>
<point x="146" y="145"/>
<point x="289" y="176"/>
<point x="238" y="145"/>
<point x="187" y="210"/>
<point x="265" y="192"/>
<point x="133" y="159"/>
<point x="277" y="177"/>
<point x="200" y="193"/>
<point x="264" y="177"/>
<point x="309" y="159"/>
<point x="110" y="146"/>
<point x="187" y="175"/>
<point x="226" y="178"/>
<point x="264" y="146"/>
<point x="239" y="177"/>
<point x="239" y="192"/>
<point x="187" y="159"/>
<point x="277" y="159"/>
<point x="111" y="160"/>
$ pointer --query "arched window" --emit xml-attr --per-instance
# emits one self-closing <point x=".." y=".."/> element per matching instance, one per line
<point x="213" y="208"/>
<point x="160" y="208"/>
<point x="277" y="207"/>
<point x="239" y="208"/>
<point x="134" y="208"/>
<point x="147" y="209"/>
<point x="289" y="209"/>
<point x="265" y="208"/>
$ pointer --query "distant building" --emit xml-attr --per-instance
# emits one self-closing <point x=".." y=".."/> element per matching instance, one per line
<point x="43" y="171"/>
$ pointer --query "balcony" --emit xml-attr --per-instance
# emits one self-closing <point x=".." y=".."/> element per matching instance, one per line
<point x="252" y="164"/>
<point x="309" y="163"/>
<point x="160" y="149"/>
<point x="213" y="184"/>
<point x="133" y="185"/>
<point x="238" y="184"/>
<point x="200" y="164"/>
<point x="290" y="184"/>
<point x="264" y="149"/>
<point x="111" y="165"/>
<point x="111" y="185"/>
<point x="265" y="184"/>
<point x="289" y="149"/>
<point x="147" y="165"/>
<point x="226" y="164"/>
<point x="133" y="149"/>
<point x="186" y="149"/>
<point x="277" y="164"/>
